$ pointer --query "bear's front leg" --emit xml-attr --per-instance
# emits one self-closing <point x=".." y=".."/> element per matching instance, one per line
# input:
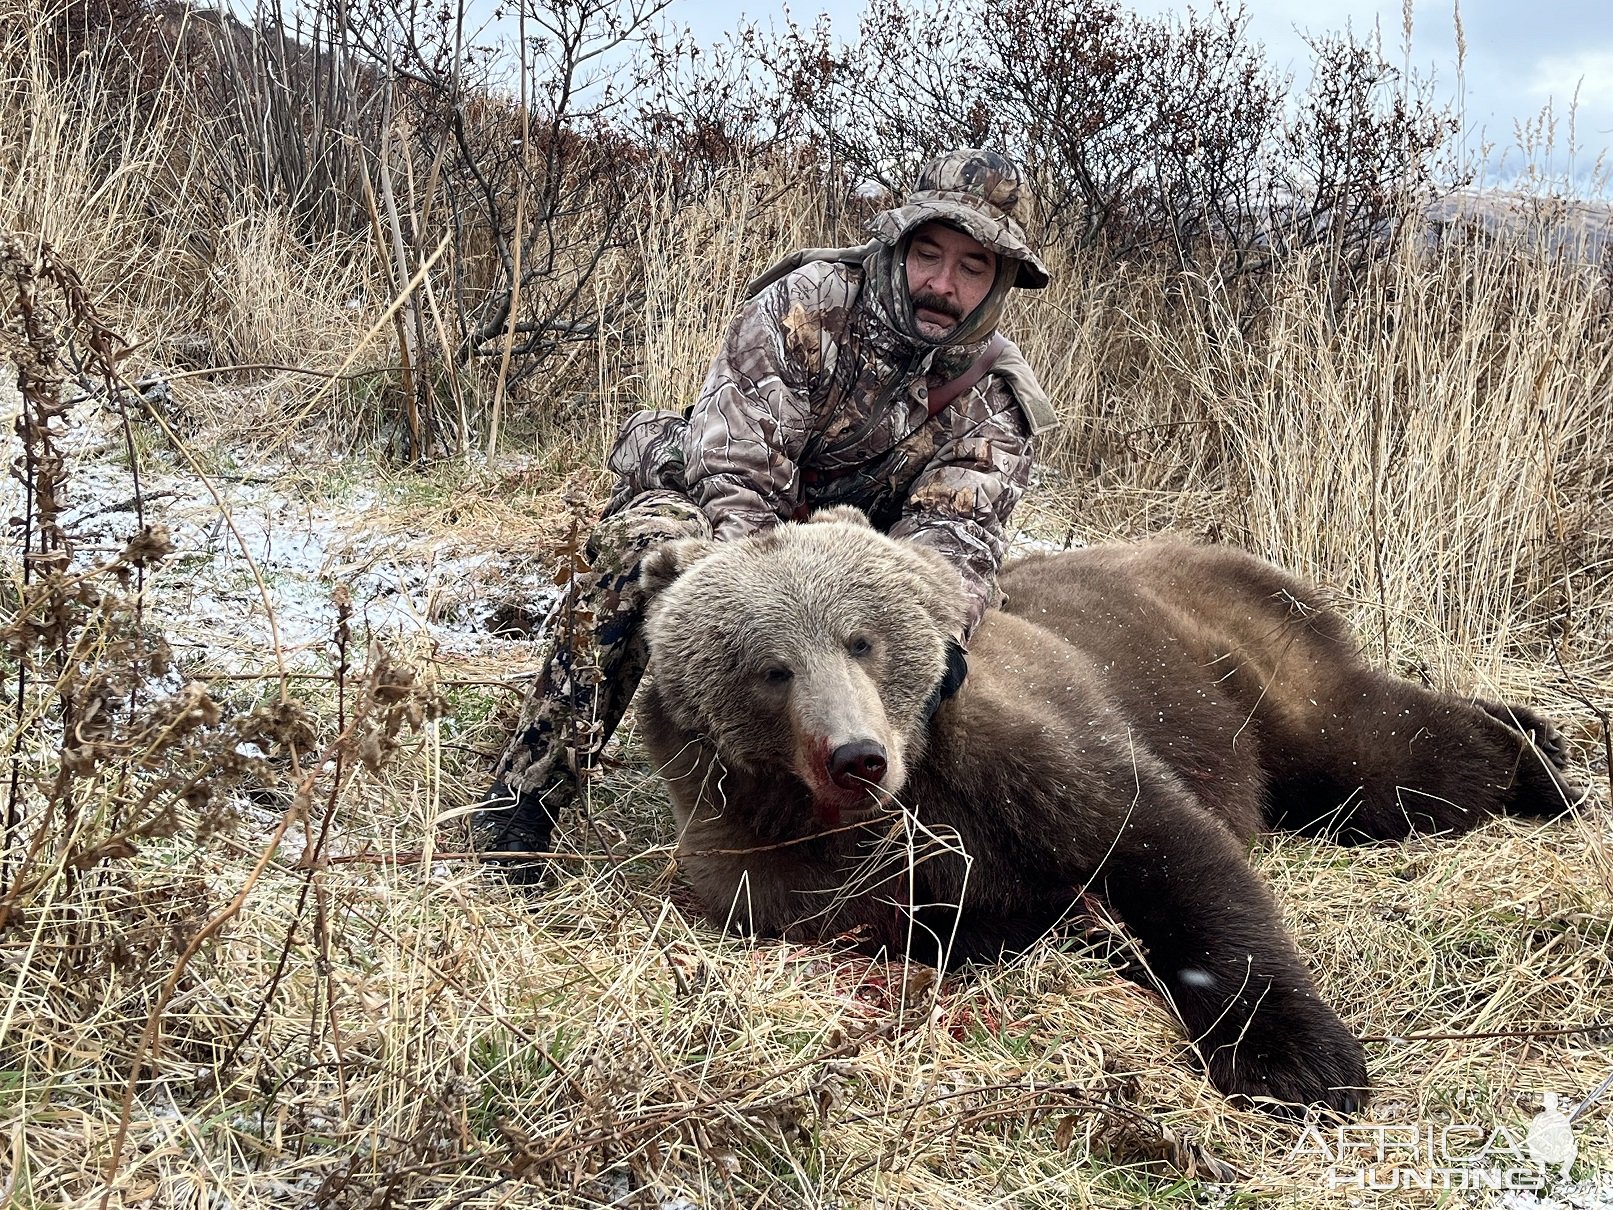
<point x="1217" y="947"/>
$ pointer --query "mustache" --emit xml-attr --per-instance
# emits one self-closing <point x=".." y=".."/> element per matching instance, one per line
<point x="934" y="302"/>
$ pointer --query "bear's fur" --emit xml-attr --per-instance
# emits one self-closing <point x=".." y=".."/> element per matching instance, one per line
<point x="1131" y="717"/>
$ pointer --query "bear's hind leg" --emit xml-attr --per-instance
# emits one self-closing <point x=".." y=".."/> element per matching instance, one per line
<point x="1391" y="759"/>
<point x="1542" y="788"/>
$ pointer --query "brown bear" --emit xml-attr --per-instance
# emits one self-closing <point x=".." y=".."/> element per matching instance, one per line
<point x="1130" y="718"/>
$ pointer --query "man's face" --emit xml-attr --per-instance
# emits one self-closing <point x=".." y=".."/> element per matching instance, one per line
<point x="949" y="274"/>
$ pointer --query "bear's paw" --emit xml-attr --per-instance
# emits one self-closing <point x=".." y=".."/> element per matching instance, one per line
<point x="1283" y="1061"/>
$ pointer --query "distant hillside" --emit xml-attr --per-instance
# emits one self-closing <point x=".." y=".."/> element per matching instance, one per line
<point x="1580" y="229"/>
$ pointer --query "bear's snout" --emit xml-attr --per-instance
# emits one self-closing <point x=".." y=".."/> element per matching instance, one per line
<point x="860" y="763"/>
<point x="845" y="749"/>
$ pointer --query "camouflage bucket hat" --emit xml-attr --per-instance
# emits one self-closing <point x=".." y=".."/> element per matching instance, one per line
<point x="979" y="192"/>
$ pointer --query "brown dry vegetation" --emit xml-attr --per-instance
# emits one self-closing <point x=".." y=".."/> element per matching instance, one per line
<point x="269" y="974"/>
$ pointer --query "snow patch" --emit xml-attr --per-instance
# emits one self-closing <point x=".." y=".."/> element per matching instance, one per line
<point x="1592" y="1193"/>
<point x="406" y="585"/>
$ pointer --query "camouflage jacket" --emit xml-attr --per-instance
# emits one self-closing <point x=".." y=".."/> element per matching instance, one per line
<point x="814" y="399"/>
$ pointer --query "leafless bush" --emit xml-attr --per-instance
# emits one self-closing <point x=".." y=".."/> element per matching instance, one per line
<point x="1160" y="137"/>
<point x="492" y="190"/>
<point x="107" y="749"/>
<point x="518" y="183"/>
<point x="706" y="111"/>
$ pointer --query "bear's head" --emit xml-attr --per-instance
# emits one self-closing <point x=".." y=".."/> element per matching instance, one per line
<point x="808" y="649"/>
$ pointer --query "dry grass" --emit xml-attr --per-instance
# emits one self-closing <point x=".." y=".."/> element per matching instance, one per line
<point x="1438" y="452"/>
<point x="351" y="1013"/>
<point x="435" y="1038"/>
<point x="197" y="271"/>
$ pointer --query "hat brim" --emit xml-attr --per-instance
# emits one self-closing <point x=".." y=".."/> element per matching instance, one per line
<point x="891" y="225"/>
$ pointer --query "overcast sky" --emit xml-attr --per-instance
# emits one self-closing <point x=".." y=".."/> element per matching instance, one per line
<point x="1521" y="56"/>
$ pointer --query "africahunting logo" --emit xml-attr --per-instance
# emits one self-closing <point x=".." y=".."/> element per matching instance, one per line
<point x="1371" y="1156"/>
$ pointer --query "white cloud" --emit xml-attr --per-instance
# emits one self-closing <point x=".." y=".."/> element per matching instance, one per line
<point x="1589" y="72"/>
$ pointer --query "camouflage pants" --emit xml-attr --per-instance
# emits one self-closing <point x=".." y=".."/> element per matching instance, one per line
<point x="600" y="653"/>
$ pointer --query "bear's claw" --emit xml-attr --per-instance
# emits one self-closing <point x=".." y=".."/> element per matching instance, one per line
<point x="1284" y="1061"/>
<point x="1546" y="736"/>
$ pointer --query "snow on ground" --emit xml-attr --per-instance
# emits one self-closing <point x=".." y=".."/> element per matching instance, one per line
<point x="305" y="527"/>
<point x="1592" y="1193"/>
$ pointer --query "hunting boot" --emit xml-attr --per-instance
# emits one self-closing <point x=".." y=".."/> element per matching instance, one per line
<point x="536" y="782"/>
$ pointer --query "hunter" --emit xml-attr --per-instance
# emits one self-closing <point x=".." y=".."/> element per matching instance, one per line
<point x="871" y="376"/>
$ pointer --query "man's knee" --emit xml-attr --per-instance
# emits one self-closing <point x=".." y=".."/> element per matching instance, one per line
<point x="621" y="539"/>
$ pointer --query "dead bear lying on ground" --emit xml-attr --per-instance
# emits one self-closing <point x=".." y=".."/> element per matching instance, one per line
<point x="1130" y="719"/>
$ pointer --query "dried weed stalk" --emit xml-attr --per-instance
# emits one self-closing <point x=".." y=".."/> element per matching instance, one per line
<point x="114" y="760"/>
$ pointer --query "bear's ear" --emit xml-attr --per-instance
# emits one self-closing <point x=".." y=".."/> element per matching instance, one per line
<point x="670" y="560"/>
<point x="843" y="513"/>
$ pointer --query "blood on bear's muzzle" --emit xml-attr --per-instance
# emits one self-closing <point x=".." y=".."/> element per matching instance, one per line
<point x="846" y="750"/>
<point x="859" y="764"/>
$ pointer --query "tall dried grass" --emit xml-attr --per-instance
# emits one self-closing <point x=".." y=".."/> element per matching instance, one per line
<point x="326" y="1002"/>
<point x="1437" y="450"/>
<point x="199" y="271"/>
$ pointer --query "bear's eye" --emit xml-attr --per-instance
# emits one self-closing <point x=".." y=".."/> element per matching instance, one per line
<point x="859" y="645"/>
<point x="778" y="675"/>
